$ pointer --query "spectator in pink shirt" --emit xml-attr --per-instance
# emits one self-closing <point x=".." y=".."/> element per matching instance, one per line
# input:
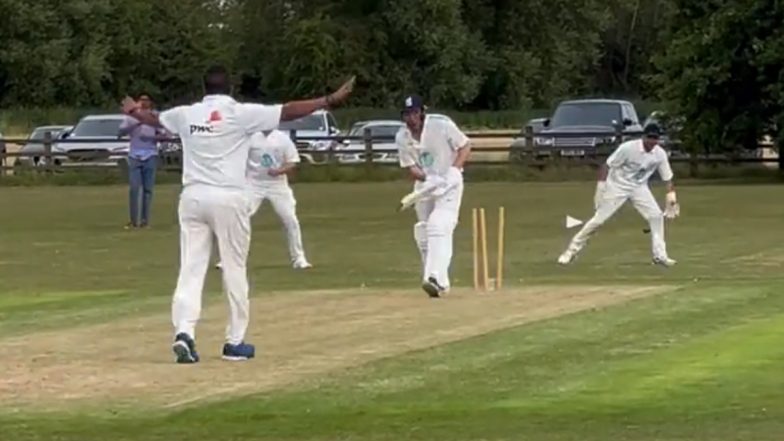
<point x="142" y="162"/>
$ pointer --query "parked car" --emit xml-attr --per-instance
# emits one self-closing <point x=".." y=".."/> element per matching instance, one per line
<point x="536" y="124"/>
<point x="318" y="124"/>
<point x="35" y="145"/>
<point x="592" y="121"/>
<point x="353" y="151"/>
<point x="517" y="148"/>
<point x="82" y="147"/>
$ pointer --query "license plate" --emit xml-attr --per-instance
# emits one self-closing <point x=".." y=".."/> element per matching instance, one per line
<point x="572" y="152"/>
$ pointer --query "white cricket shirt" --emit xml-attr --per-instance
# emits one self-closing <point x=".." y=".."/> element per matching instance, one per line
<point x="436" y="151"/>
<point x="270" y="152"/>
<point x="631" y="166"/>
<point x="215" y="136"/>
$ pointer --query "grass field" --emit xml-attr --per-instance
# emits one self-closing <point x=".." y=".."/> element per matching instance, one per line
<point x="610" y="348"/>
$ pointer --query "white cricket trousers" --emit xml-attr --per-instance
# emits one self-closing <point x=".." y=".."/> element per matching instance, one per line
<point x="614" y="198"/>
<point x="285" y="205"/>
<point x="205" y="212"/>
<point x="436" y="222"/>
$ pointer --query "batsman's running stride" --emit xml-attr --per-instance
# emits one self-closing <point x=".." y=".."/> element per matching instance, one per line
<point x="434" y="151"/>
<point x="273" y="156"/>
<point x="625" y="177"/>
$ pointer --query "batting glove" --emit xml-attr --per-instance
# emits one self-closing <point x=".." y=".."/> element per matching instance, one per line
<point x="454" y="177"/>
<point x="434" y="181"/>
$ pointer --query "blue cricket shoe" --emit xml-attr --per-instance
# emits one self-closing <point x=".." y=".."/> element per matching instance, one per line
<point x="240" y="352"/>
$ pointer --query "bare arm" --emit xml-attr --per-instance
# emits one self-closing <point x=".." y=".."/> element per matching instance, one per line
<point x="283" y="169"/>
<point x="145" y="117"/>
<point x="603" y="171"/>
<point x="670" y="186"/>
<point x="126" y="127"/>
<point x="462" y="156"/>
<point x="416" y="173"/>
<point x="298" y="109"/>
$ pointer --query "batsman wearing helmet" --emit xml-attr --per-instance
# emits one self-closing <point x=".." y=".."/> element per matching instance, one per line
<point x="433" y="150"/>
<point x="625" y="178"/>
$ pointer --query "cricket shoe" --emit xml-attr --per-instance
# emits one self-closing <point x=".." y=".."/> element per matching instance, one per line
<point x="185" y="349"/>
<point x="302" y="264"/>
<point x="240" y="352"/>
<point x="432" y="288"/>
<point x="566" y="258"/>
<point x="665" y="262"/>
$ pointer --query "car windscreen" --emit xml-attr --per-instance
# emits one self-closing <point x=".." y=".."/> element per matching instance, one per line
<point x="310" y="122"/>
<point x="39" y="133"/>
<point x="584" y="114"/>
<point x="97" y="127"/>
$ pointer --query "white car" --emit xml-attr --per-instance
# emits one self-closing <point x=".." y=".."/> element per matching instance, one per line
<point x="94" y="141"/>
<point x="319" y="124"/>
<point x="34" y="149"/>
<point x="382" y="133"/>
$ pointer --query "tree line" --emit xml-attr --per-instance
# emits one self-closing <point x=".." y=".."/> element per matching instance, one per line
<point x="718" y="64"/>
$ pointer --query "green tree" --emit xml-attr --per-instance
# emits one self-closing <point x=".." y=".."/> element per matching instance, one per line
<point x="542" y="50"/>
<point x="722" y="72"/>
<point x="630" y="40"/>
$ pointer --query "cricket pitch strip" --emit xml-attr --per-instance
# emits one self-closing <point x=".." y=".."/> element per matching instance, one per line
<point x="300" y="337"/>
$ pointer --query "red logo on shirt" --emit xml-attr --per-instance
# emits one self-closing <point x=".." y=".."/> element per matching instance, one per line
<point x="215" y="116"/>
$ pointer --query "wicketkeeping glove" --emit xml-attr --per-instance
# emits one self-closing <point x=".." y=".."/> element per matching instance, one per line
<point x="672" y="209"/>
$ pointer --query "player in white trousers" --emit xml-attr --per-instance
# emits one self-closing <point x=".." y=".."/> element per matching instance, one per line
<point x="273" y="156"/>
<point x="623" y="178"/>
<point x="214" y="202"/>
<point x="434" y="151"/>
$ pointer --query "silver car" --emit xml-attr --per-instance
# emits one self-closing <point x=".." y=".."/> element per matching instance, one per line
<point x="319" y="124"/>
<point x="383" y="134"/>
<point x="94" y="141"/>
<point x="34" y="147"/>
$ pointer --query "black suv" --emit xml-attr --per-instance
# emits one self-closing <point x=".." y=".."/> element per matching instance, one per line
<point x="592" y="121"/>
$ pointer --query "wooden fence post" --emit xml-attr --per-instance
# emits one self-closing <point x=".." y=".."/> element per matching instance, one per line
<point x="48" y="152"/>
<point x="3" y="156"/>
<point x="529" y="153"/>
<point x="368" y="137"/>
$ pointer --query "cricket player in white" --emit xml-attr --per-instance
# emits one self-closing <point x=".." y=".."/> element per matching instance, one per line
<point x="215" y="135"/>
<point x="272" y="156"/>
<point x="434" y="152"/>
<point x="625" y="177"/>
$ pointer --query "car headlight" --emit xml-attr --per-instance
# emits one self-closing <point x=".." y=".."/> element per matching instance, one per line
<point x="543" y="141"/>
<point x="320" y="145"/>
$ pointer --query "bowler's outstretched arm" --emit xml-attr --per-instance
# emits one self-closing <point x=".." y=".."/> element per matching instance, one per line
<point x="290" y="111"/>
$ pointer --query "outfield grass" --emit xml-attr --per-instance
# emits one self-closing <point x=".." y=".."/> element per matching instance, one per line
<point x="698" y="359"/>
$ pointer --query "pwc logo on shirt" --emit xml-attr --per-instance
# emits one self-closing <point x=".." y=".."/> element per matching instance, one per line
<point x="208" y="126"/>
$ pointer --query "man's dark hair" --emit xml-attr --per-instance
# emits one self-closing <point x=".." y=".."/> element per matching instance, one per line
<point x="217" y="81"/>
<point x="141" y="94"/>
